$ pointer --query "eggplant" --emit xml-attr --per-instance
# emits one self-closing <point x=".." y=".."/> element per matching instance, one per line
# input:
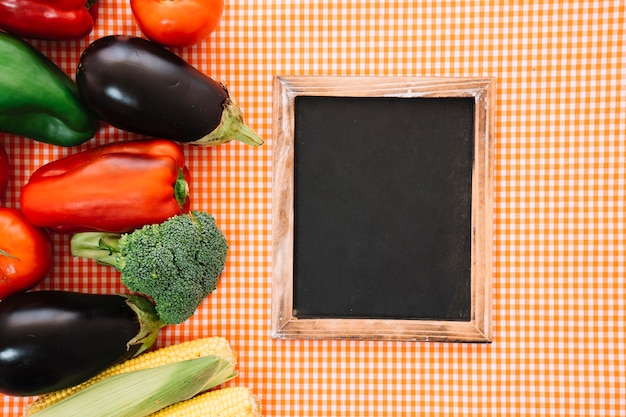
<point x="50" y="340"/>
<point x="139" y="86"/>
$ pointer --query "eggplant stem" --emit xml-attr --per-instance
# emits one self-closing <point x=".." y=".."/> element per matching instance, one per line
<point x="149" y="321"/>
<point x="231" y="127"/>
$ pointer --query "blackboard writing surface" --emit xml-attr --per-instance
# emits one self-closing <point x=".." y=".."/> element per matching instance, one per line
<point x="382" y="208"/>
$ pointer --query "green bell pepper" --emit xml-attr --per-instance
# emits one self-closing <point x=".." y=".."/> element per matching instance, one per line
<point x="37" y="99"/>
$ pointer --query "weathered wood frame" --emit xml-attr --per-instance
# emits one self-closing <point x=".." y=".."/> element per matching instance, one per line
<point x="284" y="325"/>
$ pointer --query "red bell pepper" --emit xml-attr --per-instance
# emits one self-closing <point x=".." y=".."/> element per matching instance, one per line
<point x="116" y="188"/>
<point x="47" y="19"/>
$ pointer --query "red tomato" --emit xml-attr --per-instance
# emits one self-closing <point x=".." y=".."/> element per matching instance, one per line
<point x="177" y="22"/>
<point x="4" y="172"/>
<point x="25" y="253"/>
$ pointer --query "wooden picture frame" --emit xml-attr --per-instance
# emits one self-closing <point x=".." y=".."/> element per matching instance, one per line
<point x="285" y="322"/>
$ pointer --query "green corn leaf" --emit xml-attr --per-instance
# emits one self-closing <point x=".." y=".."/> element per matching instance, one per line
<point x="143" y="392"/>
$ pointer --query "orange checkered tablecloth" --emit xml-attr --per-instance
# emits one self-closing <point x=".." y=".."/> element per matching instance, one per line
<point x="560" y="183"/>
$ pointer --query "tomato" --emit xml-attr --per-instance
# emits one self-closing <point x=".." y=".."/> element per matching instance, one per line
<point x="177" y="22"/>
<point x="4" y="172"/>
<point x="25" y="253"/>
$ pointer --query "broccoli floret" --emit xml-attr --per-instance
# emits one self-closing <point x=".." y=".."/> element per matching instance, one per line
<point x="177" y="263"/>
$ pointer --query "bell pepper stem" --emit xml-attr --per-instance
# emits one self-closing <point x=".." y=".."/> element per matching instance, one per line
<point x="181" y="188"/>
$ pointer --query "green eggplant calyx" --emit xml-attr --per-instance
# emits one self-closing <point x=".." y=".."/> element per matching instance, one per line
<point x="149" y="321"/>
<point x="231" y="127"/>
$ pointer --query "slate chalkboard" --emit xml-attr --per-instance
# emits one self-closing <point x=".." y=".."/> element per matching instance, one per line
<point x="383" y="208"/>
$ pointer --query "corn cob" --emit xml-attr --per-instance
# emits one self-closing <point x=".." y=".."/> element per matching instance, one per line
<point x="145" y="391"/>
<point x="182" y="351"/>
<point x="225" y="402"/>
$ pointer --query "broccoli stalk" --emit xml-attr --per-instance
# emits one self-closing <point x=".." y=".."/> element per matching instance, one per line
<point x="176" y="263"/>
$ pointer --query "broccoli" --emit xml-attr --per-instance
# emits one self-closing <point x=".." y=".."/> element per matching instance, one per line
<point x="176" y="263"/>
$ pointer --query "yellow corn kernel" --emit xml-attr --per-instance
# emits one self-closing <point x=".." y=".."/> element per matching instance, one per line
<point x="174" y="353"/>
<point x="225" y="402"/>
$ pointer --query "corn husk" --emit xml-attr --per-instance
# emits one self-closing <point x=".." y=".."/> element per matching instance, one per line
<point x="143" y="392"/>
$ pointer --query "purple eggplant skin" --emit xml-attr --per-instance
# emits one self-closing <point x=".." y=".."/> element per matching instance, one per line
<point x="50" y="340"/>
<point x="139" y="86"/>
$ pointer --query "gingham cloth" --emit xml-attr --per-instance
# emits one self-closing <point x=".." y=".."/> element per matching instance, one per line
<point x="559" y="288"/>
